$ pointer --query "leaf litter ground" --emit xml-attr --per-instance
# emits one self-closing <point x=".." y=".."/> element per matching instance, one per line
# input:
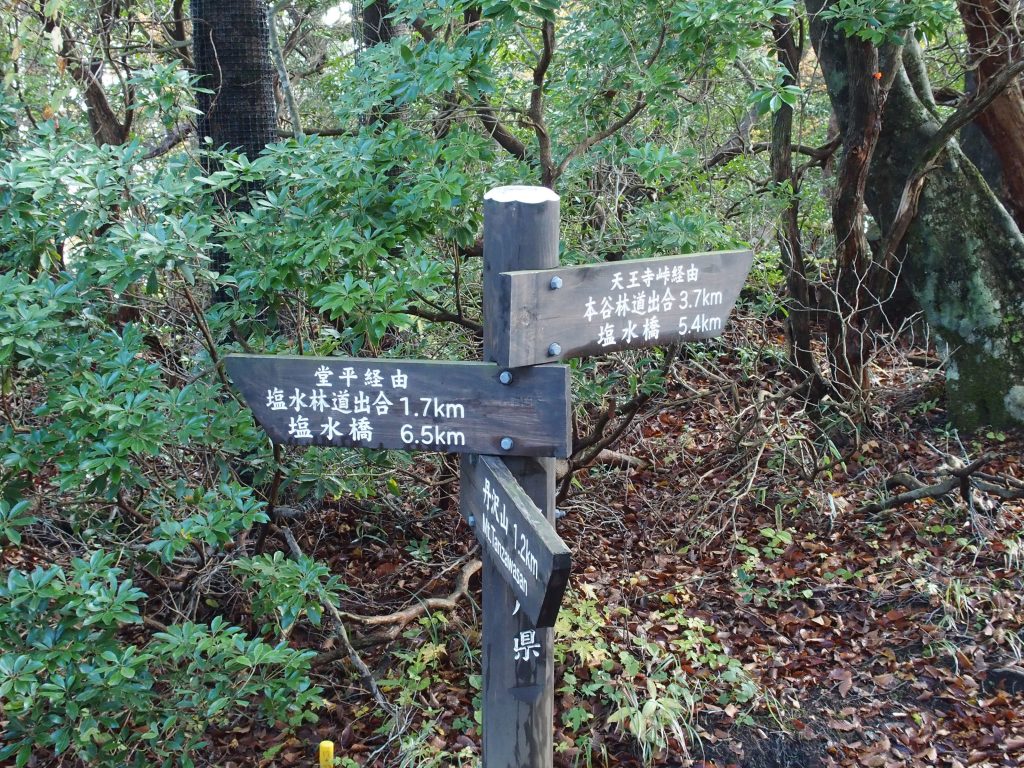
<point x="891" y="638"/>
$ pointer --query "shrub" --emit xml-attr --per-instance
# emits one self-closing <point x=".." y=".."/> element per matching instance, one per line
<point x="70" y="679"/>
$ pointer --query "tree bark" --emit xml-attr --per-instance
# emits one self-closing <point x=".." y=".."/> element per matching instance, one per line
<point x="377" y="25"/>
<point x="994" y="41"/>
<point x="798" y="322"/>
<point x="231" y="50"/>
<point x="977" y="147"/>
<point x="964" y="254"/>
<point x="849" y="341"/>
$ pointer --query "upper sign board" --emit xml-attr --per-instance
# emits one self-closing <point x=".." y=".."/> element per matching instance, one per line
<point x="411" y="405"/>
<point x="516" y="536"/>
<point x="567" y="312"/>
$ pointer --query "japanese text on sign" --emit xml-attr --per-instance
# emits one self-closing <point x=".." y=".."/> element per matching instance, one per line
<point x="636" y="301"/>
<point x="590" y="309"/>
<point x="521" y="558"/>
<point x="410" y="405"/>
<point x="516" y="537"/>
<point x="340" y="403"/>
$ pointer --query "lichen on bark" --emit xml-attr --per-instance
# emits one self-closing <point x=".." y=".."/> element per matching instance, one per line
<point x="963" y="256"/>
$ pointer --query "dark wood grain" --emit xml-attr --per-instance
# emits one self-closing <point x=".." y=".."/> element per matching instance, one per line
<point x="451" y="407"/>
<point x="516" y="535"/>
<point x="600" y="308"/>
<point x="517" y="235"/>
<point x="520" y="232"/>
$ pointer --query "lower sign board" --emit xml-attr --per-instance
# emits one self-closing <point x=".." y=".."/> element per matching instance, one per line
<point x="516" y="536"/>
<point x="411" y="405"/>
<point x="596" y="308"/>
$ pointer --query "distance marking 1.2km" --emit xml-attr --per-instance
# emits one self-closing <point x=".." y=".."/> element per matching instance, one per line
<point x="516" y="536"/>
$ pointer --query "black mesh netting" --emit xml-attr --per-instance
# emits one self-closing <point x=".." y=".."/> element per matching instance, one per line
<point x="231" y="50"/>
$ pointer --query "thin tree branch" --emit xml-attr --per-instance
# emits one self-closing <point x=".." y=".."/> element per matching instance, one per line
<point x="404" y="616"/>
<point x="497" y="130"/>
<point x="817" y="155"/>
<point x="536" y="111"/>
<point x="177" y="27"/>
<point x="484" y="111"/>
<point x="736" y="144"/>
<point x="211" y="346"/>
<point x="596" y="442"/>
<point x="364" y="671"/>
<point x="587" y="143"/>
<point x="282" y="71"/>
<point x="175" y="136"/>
<point x="319" y="132"/>
<point x="638" y="106"/>
<point x="445" y="317"/>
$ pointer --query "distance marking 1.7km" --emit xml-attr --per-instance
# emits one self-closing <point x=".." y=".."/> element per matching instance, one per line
<point x="412" y="405"/>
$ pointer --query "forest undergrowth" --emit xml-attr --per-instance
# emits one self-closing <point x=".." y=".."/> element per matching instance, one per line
<point x="749" y="588"/>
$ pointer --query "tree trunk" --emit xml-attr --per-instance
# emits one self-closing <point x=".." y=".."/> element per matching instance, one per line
<point x="377" y="25"/>
<point x="849" y="340"/>
<point x="977" y="147"/>
<point x="995" y="41"/>
<point x="798" y="322"/>
<point x="231" y="50"/>
<point x="964" y="253"/>
<point x="378" y="28"/>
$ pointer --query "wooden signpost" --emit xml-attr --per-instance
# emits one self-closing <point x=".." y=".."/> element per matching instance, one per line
<point x="510" y="417"/>
<point x="516" y="536"/>
<point x="406" y="405"/>
<point x="600" y="308"/>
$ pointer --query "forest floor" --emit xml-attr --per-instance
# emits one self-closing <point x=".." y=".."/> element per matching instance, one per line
<point x="738" y="579"/>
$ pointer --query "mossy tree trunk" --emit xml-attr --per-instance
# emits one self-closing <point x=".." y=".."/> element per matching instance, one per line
<point x="963" y="254"/>
<point x="994" y="40"/>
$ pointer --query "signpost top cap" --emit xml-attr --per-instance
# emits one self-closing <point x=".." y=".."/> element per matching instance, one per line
<point x="520" y="193"/>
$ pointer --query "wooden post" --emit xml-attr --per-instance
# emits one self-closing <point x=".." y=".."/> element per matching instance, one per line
<point x="520" y="232"/>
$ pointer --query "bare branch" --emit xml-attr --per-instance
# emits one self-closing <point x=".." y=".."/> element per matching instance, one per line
<point x="178" y="134"/>
<point x="638" y="106"/>
<point x="497" y="130"/>
<point x="282" y="72"/>
<point x="319" y="132"/>
<point x="611" y="130"/>
<point x="404" y="616"/>
<point x="484" y="111"/>
<point x="364" y="671"/>
<point x="536" y="111"/>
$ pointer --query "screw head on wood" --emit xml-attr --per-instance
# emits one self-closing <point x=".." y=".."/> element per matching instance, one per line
<point x="505" y="377"/>
<point x="555" y="350"/>
<point x="507" y="443"/>
<point x="556" y="283"/>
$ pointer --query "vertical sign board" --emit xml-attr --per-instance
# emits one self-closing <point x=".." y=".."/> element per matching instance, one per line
<point x="598" y="308"/>
<point x="521" y="227"/>
<point x="516" y="536"/>
<point x="411" y="405"/>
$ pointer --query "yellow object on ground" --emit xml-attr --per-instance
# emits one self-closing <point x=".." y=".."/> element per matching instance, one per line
<point x="326" y="754"/>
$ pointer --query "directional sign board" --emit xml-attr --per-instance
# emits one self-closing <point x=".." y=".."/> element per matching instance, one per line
<point x="411" y="405"/>
<point x="597" y="308"/>
<point x="516" y="536"/>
